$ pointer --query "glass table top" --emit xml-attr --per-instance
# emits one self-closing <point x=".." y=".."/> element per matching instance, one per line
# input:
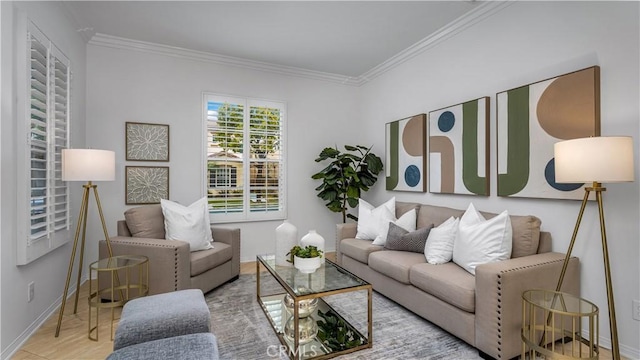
<point x="559" y="302"/>
<point x="117" y="262"/>
<point x="329" y="277"/>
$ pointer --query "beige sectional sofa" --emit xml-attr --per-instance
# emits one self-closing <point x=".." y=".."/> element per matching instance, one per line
<point x="484" y="310"/>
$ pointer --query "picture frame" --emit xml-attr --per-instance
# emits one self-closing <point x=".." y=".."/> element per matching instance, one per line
<point x="531" y="119"/>
<point x="146" y="141"/>
<point x="146" y="184"/>
<point x="458" y="153"/>
<point x="405" y="154"/>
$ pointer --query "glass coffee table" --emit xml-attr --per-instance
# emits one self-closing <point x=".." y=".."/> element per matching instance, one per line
<point x="307" y="326"/>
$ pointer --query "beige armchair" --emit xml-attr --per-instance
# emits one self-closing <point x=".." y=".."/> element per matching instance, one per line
<point x="171" y="265"/>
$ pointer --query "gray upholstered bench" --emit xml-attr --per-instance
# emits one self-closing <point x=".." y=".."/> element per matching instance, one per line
<point x="200" y="346"/>
<point x="165" y="325"/>
<point x="161" y="316"/>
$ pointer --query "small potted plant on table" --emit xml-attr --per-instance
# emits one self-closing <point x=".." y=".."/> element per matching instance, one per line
<point x="306" y="259"/>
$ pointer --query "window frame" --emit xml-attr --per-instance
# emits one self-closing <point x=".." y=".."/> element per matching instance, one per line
<point x="246" y="215"/>
<point x="57" y="229"/>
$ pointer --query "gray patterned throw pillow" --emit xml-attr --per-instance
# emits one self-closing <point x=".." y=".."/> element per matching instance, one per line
<point x="403" y="240"/>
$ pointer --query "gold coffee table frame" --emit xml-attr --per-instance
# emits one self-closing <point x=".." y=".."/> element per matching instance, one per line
<point x="329" y="279"/>
<point x="121" y="288"/>
<point x="552" y="326"/>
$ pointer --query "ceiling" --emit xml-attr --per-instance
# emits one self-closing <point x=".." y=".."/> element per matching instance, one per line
<point x="344" y="38"/>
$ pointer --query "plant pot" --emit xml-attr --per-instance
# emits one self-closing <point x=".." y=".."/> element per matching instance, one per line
<point x="307" y="265"/>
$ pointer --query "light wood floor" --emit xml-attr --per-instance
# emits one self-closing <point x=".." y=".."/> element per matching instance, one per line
<point x="73" y="344"/>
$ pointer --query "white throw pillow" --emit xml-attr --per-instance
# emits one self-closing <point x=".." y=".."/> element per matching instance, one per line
<point x="407" y="221"/>
<point x="439" y="246"/>
<point x="370" y="219"/>
<point x="188" y="223"/>
<point x="482" y="241"/>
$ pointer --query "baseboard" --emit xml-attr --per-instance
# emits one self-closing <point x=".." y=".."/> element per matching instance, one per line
<point x="16" y="344"/>
<point x="625" y="350"/>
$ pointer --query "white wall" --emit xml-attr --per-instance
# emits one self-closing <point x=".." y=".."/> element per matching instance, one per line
<point x="125" y="85"/>
<point x="524" y="43"/>
<point x="20" y="318"/>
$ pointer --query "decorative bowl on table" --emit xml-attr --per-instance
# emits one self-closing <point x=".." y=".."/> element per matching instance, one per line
<point x="307" y="265"/>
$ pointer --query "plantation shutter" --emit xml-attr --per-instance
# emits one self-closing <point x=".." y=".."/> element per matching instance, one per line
<point x="245" y="158"/>
<point x="47" y="130"/>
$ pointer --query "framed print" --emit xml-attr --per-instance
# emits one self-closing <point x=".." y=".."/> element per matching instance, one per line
<point x="146" y="184"/>
<point x="531" y="119"/>
<point x="147" y="142"/>
<point x="405" y="154"/>
<point x="459" y="148"/>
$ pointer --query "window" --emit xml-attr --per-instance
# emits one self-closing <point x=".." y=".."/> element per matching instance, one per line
<point x="245" y="158"/>
<point x="45" y="126"/>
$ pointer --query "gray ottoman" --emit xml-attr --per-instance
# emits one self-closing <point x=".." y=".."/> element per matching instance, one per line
<point x="201" y="346"/>
<point x="162" y="316"/>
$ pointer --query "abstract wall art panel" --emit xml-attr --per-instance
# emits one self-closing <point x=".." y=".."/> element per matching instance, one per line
<point x="531" y="119"/>
<point x="458" y="149"/>
<point x="147" y="142"/>
<point x="405" y="154"/>
<point x="146" y="184"/>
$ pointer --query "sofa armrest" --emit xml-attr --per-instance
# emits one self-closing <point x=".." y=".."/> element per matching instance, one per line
<point x="230" y="237"/>
<point x="344" y="231"/>
<point x="169" y="260"/>
<point x="499" y="288"/>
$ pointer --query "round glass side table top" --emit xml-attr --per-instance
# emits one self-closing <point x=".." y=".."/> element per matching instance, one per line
<point x="127" y="278"/>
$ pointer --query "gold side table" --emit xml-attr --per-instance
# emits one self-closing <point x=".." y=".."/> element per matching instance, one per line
<point x="129" y="279"/>
<point x="552" y="325"/>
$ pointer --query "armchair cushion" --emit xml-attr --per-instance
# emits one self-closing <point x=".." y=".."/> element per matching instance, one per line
<point x="204" y="260"/>
<point x="188" y="223"/>
<point x="145" y="221"/>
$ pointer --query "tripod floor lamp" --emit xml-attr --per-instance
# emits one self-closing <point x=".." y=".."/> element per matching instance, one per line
<point x="595" y="160"/>
<point x="85" y="165"/>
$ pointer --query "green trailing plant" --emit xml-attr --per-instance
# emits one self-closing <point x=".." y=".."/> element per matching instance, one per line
<point x="306" y="252"/>
<point x="335" y="333"/>
<point x="347" y="175"/>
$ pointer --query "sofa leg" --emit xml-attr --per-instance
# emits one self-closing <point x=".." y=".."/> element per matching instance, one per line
<point x="485" y="356"/>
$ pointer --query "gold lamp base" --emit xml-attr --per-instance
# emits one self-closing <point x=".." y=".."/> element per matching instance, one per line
<point x="82" y="225"/>
<point x="598" y="189"/>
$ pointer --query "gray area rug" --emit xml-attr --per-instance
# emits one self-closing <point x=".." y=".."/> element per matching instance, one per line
<point x="244" y="333"/>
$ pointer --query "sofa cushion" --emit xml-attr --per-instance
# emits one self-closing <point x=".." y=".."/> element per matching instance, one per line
<point x="480" y="241"/>
<point x="439" y="246"/>
<point x="371" y="220"/>
<point x="145" y="221"/>
<point x="436" y="215"/>
<point x="526" y="229"/>
<point x="404" y="207"/>
<point x="448" y="282"/>
<point x="188" y="223"/>
<point x="395" y="264"/>
<point x="204" y="260"/>
<point x="403" y="240"/>
<point x="407" y="221"/>
<point x="526" y="234"/>
<point x="358" y="249"/>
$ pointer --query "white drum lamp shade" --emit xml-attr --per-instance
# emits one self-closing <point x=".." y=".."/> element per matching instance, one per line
<point x="603" y="159"/>
<point x="88" y="165"/>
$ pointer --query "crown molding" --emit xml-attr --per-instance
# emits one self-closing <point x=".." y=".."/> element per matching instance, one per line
<point x="148" y="47"/>
<point x="479" y="13"/>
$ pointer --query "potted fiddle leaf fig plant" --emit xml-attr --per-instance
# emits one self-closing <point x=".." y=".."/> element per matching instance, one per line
<point x="306" y="259"/>
<point x="346" y="176"/>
